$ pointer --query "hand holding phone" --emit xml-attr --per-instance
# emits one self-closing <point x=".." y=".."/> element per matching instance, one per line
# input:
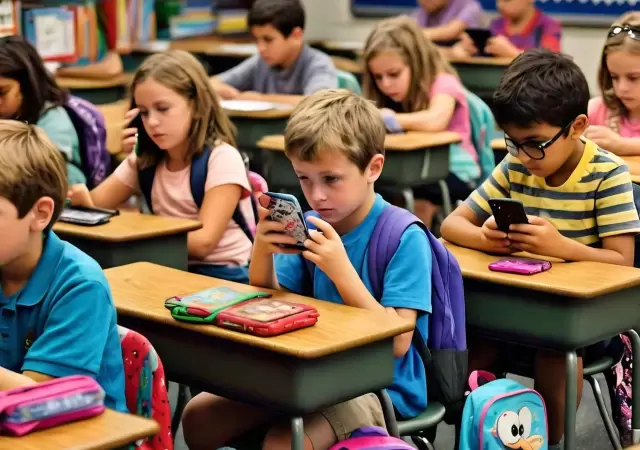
<point x="507" y="212"/>
<point x="479" y="36"/>
<point x="286" y="211"/>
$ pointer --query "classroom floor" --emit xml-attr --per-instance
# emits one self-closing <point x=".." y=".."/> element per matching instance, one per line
<point x="591" y="433"/>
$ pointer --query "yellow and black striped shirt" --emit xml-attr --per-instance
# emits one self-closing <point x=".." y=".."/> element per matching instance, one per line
<point x="595" y="202"/>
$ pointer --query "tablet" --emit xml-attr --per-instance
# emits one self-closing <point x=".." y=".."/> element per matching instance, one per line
<point x="86" y="216"/>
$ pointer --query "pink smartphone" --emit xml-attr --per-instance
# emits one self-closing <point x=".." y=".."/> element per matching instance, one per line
<point x="522" y="266"/>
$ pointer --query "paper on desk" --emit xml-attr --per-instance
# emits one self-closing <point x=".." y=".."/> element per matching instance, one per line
<point x="239" y="49"/>
<point x="252" y="105"/>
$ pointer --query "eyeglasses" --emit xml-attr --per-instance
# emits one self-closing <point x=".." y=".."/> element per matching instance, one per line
<point x="532" y="149"/>
<point x="632" y="32"/>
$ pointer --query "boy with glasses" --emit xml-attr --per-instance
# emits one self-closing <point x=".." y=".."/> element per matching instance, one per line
<point x="578" y="197"/>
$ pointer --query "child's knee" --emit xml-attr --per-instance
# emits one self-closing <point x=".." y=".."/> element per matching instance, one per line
<point x="279" y="438"/>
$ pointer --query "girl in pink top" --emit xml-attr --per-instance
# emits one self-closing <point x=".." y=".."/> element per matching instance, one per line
<point x="615" y="117"/>
<point x="418" y="90"/>
<point x="181" y="116"/>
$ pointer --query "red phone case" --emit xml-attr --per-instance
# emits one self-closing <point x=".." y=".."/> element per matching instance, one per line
<point x="267" y="317"/>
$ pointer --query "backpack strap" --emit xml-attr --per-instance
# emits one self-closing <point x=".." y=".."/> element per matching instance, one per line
<point x="311" y="267"/>
<point x="145" y="181"/>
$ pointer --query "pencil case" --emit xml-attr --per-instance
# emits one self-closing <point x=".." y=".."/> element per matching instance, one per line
<point x="45" y="405"/>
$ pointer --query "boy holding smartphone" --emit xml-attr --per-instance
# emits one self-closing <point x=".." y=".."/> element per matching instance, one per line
<point x="579" y="198"/>
<point x="335" y="141"/>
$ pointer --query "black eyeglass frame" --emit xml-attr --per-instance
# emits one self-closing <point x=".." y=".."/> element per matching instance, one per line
<point x="631" y="31"/>
<point x="514" y="147"/>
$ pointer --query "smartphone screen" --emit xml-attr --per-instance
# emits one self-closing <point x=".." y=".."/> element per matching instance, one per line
<point x="507" y="212"/>
<point x="479" y="36"/>
<point x="289" y="213"/>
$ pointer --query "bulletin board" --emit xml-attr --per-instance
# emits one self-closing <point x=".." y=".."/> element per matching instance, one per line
<point x="585" y="12"/>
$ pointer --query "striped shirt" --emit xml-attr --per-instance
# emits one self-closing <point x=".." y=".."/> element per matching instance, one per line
<point x="595" y="202"/>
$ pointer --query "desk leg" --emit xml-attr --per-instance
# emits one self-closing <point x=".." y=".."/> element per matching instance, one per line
<point x="571" y="399"/>
<point x="297" y="434"/>
<point x="635" y="387"/>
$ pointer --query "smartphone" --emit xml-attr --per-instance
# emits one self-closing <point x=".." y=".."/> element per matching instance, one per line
<point x="479" y="36"/>
<point x="507" y="211"/>
<point x="521" y="266"/>
<point x="285" y="208"/>
<point x="86" y="216"/>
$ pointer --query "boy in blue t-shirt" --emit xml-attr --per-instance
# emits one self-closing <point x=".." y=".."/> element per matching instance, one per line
<point x="335" y="141"/>
<point x="57" y="317"/>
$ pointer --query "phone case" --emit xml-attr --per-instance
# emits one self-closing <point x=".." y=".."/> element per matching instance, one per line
<point x="86" y="216"/>
<point x="267" y="317"/>
<point x="285" y="208"/>
<point x="521" y="266"/>
<point x="204" y="306"/>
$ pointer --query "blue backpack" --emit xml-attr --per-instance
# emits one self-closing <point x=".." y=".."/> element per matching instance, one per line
<point x="502" y="414"/>
<point x="445" y="356"/>
<point x="482" y="127"/>
<point x="197" y="181"/>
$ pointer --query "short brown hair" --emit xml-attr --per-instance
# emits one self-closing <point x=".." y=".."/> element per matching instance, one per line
<point x="32" y="168"/>
<point x="337" y="120"/>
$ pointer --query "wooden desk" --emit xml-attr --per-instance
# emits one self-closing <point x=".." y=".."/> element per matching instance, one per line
<point x="633" y="162"/>
<point x="570" y="307"/>
<point x="348" y="65"/>
<point x="297" y="373"/>
<point x="98" y="91"/>
<point x="132" y="237"/>
<point x="108" y="431"/>
<point x="499" y="147"/>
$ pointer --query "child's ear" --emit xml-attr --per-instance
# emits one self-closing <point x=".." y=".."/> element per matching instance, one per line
<point x="579" y="126"/>
<point x="297" y="33"/>
<point x="374" y="169"/>
<point x="42" y="212"/>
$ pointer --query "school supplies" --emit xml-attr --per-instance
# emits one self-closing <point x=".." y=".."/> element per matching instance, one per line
<point x="45" y="405"/>
<point x="520" y="266"/>
<point x="249" y="312"/>
<point x="52" y="31"/>
<point x="79" y="215"/>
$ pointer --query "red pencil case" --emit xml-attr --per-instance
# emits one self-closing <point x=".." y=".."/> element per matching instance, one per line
<point x="267" y="317"/>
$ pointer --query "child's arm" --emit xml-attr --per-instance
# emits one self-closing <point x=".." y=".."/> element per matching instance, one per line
<point x="435" y="118"/>
<point x="237" y="79"/>
<point x="274" y="98"/>
<point x="448" y="32"/>
<point x="608" y="139"/>
<point x="109" y="66"/>
<point x="10" y="379"/>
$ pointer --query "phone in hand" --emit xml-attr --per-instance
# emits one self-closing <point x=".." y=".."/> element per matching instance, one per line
<point x="479" y="36"/>
<point x="520" y="266"/>
<point x="286" y="209"/>
<point x="507" y="211"/>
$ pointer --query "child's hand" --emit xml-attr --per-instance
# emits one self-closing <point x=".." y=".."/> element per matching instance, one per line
<point x="604" y="137"/>
<point x="79" y="195"/>
<point x="250" y="95"/>
<point x="464" y="47"/>
<point x="227" y="92"/>
<point x="270" y="233"/>
<point x="129" y="135"/>
<point x="501" y="46"/>
<point x="540" y="237"/>
<point x="494" y="240"/>
<point x="325" y="250"/>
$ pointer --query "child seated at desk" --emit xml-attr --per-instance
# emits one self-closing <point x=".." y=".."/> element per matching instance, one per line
<point x="446" y="20"/>
<point x="57" y="314"/>
<point x="181" y="118"/>
<point x="579" y="197"/>
<point x="615" y="116"/>
<point x="419" y="90"/>
<point x="335" y="141"/>
<point x="285" y="68"/>
<point x="31" y="94"/>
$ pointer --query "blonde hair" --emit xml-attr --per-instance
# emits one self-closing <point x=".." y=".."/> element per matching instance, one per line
<point x="335" y="120"/>
<point x="621" y="41"/>
<point x="32" y="168"/>
<point x="402" y="35"/>
<point x="181" y="72"/>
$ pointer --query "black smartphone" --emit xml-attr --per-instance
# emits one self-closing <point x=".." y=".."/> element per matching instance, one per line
<point x="479" y="36"/>
<point x="507" y="211"/>
<point x="78" y="215"/>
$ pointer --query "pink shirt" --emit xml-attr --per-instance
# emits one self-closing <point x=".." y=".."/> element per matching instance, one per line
<point x="598" y="115"/>
<point x="445" y="83"/>
<point x="171" y="196"/>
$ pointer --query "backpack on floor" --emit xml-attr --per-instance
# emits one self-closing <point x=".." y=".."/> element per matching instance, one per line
<point x="501" y="414"/>
<point x="445" y="354"/>
<point x="197" y="181"/>
<point x="88" y="122"/>
<point x="371" y="438"/>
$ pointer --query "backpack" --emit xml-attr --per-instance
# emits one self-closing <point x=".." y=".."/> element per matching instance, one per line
<point x="88" y="122"/>
<point x="482" y="126"/>
<point x="145" y="388"/>
<point x="197" y="180"/>
<point x="502" y="414"/>
<point x="445" y="356"/>
<point x="371" y="438"/>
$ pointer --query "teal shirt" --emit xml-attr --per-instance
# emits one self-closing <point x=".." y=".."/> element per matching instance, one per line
<point x="58" y="126"/>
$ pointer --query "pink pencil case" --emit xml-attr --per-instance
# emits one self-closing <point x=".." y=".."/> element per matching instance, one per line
<point x="45" y="405"/>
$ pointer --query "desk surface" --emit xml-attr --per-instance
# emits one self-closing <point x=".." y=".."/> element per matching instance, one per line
<point x="140" y="289"/>
<point x="124" y="79"/>
<point x="114" y="122"/>
<point x="575" y="279"/>
<point x="105" y="432"/>
<point x="412" y="140"/>
<point x="633" y="162"/>
<point x="216" y="45"/>
<point x="499" y="144"/>
<point x="482" y="61"/>
<point x="129" y="226"/>
<point x="348" y="65"/>
<point x="270" y="114"/>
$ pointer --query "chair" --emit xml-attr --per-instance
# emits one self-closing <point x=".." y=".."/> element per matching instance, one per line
<point x="347" y="80"/>
<point x="145" y="388"/>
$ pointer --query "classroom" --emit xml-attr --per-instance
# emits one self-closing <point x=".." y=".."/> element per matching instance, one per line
<point x="319" y="225"/>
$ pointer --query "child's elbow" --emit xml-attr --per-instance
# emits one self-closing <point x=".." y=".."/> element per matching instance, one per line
<point x="446" y="229"/>
<point x="401" y="344"/>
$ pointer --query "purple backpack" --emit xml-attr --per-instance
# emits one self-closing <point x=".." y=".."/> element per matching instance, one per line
<point x="92" y="136"/>
<point x="445" y="356"/>
<point x="371" y="438"/>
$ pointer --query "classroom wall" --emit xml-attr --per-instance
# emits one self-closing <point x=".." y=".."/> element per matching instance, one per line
<point x="332" y="19"/>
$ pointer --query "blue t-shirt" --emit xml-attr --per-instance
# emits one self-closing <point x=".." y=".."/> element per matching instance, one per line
<point x="63" y="322"/>
<point x="407" y="284"/>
